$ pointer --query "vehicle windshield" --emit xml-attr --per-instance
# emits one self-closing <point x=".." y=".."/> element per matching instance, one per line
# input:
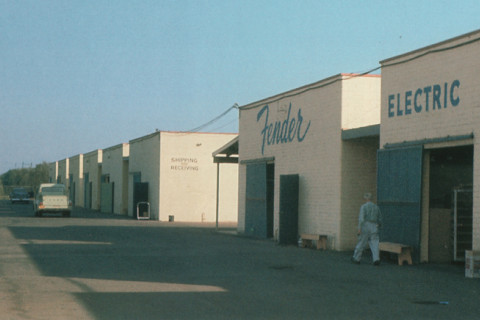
<point x="56" y="191"/>
<point x="19" y="191"/>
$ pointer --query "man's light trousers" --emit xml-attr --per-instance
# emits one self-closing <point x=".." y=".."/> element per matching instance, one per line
<point x="368" y="234"/>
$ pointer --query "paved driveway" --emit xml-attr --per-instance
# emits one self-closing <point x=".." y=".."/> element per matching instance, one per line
<point x="96" y="266"/>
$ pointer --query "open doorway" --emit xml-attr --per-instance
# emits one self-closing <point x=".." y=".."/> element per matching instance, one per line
<point x="450" y="203"/>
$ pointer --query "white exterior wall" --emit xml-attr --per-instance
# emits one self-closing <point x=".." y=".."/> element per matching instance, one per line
<point x="458" y="68"/>
<point x="359" y="175"/>
<point x="360" y="101"/>
<point x="64" y="172"/>
<point x="76" y="172"/>
<point x="145" y="158"/>
<point x="188" y="178"/>
<point x="115" y="164"/>
<point x="91" y="166"/>
<point x="360" y="108"/>
<point x="53" y="172"/>
<point x="182" y="176"/>
<point x="318" y="158"/>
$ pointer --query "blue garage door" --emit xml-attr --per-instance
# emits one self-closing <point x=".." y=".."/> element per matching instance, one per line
<point x="399" y="195"/>
<point x="256" y="200"/>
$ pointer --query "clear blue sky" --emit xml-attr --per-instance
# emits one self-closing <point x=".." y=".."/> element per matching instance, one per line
<point x="76" y="76"/>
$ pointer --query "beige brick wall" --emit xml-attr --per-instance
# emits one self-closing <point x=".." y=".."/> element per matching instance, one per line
<point x="114" y="165"/>
<point x="145" y="158"/>
<point x="76" y="184"/>
<point x="433" y="69"/>
<point x="359" y="173"/>
<point x="361" y="101"/>
<point x="91" y="163"/>
<point x="458" y="66"/>
<point x="360" y="108"/>
<point x="53" y="172"/>
<point x="319" y="187"/>
<point x="64" y="171"/>
<point x="318" y="158"/>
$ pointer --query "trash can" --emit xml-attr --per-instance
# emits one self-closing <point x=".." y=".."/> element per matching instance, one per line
<point x="171" y="218"/>
<point x="143" y="211"/>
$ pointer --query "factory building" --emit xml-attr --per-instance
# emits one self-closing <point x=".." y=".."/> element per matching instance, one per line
<point x="114" y="179"/>
<point x="63" y="172"/>
<point x="306" y="158"/>
<point x="92" y="173"/>
<point x="175" y="173"/>
<point x="53" y="172"/>
<point x="428" y="162"/>
<point x="76" y="180"/>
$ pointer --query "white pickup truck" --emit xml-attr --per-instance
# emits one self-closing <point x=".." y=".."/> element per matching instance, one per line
<point x="52" y="198"/>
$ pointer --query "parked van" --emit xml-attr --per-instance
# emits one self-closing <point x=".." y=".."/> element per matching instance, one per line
<point x="52" y="198"/>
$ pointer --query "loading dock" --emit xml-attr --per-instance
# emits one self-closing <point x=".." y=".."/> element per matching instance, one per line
<point x="429" y="118"/>
<point x="450" y="203"/>
<point x="306" y="158"/>
<point x="175" y="174"/>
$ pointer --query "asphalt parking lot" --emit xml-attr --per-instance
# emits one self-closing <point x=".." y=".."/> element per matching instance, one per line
<point x="97" y="266"/>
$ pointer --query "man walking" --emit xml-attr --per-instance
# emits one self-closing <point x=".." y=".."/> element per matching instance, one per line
<point x="369" y="221"/>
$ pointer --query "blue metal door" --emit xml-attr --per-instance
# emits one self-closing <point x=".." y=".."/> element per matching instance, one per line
<point x="256" y="200"/>
<point x="288" y="209"/>
<point x="72" y="189"/>
<point x="137" y="178"/>
<point x="399" y="195"/>
<point x="106" y="201"/>
<point x="87" y="191"/>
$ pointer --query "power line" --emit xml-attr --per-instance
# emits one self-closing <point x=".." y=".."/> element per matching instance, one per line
<point x="334" y="80"/>
<point x="235" y="106"/>
<point x="383" y="65"/>
<point x="224" y="125"/>
<point x="337" y="78"/>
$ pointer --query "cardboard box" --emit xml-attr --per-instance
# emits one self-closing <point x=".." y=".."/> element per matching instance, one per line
<point x="472" y="264"/>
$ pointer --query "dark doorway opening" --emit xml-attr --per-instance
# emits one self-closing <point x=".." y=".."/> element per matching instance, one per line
<point x="288" y="224"/>
<point x="270" y="198"/>
<point x="87" y="194"/>
<point x="450" y="203"/>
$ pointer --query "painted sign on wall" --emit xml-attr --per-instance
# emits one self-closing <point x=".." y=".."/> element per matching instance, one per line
<point x="184" y="164"/>
<point x="433" y="97"/>
<point x="286" y="131"/>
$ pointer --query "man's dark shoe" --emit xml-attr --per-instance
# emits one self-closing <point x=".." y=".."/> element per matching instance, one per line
<point x="376" y="263"/>
<point x="354" y="261"/>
